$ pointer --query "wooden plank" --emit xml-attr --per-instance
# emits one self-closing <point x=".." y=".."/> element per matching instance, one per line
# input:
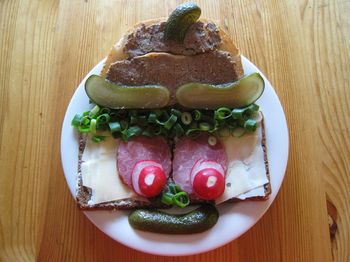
<point x="330" y="49"/>
<point x="27" y="123"/>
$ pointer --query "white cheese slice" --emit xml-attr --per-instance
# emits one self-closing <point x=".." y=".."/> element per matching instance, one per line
<point x="257" y="192"/>
<point x="246" y="173"/>
<point x="99" y="172"/>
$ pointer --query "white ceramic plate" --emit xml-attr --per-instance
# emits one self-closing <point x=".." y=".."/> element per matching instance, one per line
<point x="235" y="219"/>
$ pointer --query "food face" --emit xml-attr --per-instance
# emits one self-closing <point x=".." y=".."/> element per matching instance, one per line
<point x="174" y="124"/>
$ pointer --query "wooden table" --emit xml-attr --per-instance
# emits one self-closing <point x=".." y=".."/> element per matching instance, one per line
<point x="48" y="46"/>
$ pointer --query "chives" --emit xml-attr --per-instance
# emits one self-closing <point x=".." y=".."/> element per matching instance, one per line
<point x="172" y="123"/>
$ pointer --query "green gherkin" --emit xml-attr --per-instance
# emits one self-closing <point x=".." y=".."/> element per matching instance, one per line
<point x="196" y="221"/>
<point x="180" y="20"/>
<point x="241" y="93"/>
<point x="111" y="95"/>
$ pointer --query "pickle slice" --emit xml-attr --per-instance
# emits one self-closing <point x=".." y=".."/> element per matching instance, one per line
<point x="180" y="20"/>
<point x="104" y="93"/>
<point x="234" y="95"/>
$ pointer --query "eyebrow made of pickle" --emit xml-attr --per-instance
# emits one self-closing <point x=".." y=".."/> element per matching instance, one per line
<point x="237" y="94"/>
<point x="111" y="95"/>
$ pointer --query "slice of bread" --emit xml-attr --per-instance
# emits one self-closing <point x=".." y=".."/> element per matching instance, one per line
<point x="83" y="193"/>
<point x="118" y="53"/>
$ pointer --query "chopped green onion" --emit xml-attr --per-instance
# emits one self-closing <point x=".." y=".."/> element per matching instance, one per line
<point x="76" y="120"/>
<point x="178" y="130"/>
<point x="98" y="139"/>
<point x="152" y="118"/>
<point x="105" y="110"/>
<point x="223" y="113"/>
<point x="158" y="130"/>
<point x="163" y="115"/>
<point x="186" y="118"/>
<point x="193" y="132"/>
<point x="174" y="188"/>
<point x="93" y="124"/>
<point x="124" y="124"/>
<point x="204" y="126"/>
<point x="181" y="199"/>
<point x="163" y="118"/>
<point x="103" y="119"/>
<point x="250" y="125"/>
<point x="94" y="111"/>
<point x="212" y="140"/>
<point x="254" y="107"/>
<point x="170" y="122"/>
<point x="85" y="120"/>
<point x="215" y="127"/>
<point x="175" y="112"/>
<point x="237" y="113"/>
<point x="114" y="127"/>
<point x="84" y="129"/>
<point x="131" y="131"/>
<point x="167" y="198"/>
<point x="197" y="115"/>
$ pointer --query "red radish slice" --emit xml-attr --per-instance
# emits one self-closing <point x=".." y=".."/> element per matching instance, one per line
<point x="148" y="178"/>
<point x="208" y="179"/>
<point x="202" y="164"/>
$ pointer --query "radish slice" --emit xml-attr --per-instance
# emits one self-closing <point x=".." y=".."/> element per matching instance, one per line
<point x="148" y="178"/>
<point x="208" y="179"/>
<point x="202" y="164"/>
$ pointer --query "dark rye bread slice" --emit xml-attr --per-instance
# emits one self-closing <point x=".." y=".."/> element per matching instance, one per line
<point x="83" y="194"/>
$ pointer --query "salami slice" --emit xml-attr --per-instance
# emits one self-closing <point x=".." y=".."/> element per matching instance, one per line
<point x="188" y="151"/>
<point x="139" y="149"/>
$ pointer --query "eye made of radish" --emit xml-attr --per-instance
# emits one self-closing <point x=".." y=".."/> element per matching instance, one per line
<point x="148" y="178"/>
<point x="208" y="180"/>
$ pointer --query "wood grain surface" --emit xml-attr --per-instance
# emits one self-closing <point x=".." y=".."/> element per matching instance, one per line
<point x="46" y="48"/>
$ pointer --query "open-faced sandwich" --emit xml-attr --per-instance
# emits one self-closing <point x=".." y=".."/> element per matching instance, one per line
<point x="174" y="123"/>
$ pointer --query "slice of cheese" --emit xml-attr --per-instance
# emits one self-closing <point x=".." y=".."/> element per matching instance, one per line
<point x="99" y="172"/>
<point x="246" y="173"/>
<point x="257" y="192"/>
